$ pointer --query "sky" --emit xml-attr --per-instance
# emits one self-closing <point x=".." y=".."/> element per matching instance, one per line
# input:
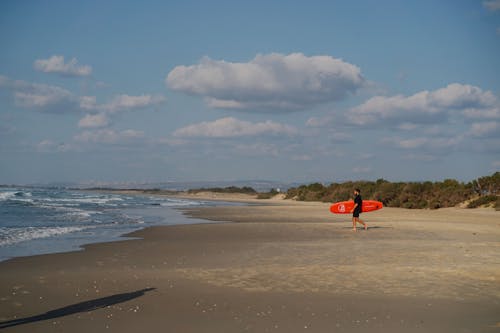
<point x="291" y="91"/>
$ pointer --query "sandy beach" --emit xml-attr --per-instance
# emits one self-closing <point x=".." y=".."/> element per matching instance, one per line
<point x="271" y="266"/>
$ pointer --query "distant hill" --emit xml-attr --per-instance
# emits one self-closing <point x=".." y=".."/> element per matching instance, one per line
<point x="174" y="186"/>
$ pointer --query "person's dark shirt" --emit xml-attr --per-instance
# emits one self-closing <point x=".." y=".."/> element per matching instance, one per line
<point x="359" y="201"/>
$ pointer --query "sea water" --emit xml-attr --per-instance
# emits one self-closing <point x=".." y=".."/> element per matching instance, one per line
<point x="46" y="220"/>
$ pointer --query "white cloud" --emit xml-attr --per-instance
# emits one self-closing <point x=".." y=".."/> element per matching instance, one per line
<point x="41" y="97"/>
<point x="268" y="82"/>
<point x="424" y="143"/>
<point x="485" y="129"/>
<point x="407" y="126"/>
<point x="45" y="145"/>
<point x="461" y="96"/>
<point x="44" y="97"/>
<point x="93" y="121"/>
<point x="128" y="102"/>
<point x="231" y="127"/>
<point x="49" y="146"/>
<point x="424" y="107"/>
<point x="492" y="5"/>
<point x="319" y="122"/>
<point x="109" y="136"/>
<point x="381" y="107"/>
<point x="88" y="103"/>
<point x="121" y="102"/>
<point x="47" y="98"/>
<point x="56" y="64"/>
<point x="485" y="113"/>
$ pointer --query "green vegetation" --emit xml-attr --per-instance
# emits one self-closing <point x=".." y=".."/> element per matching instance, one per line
<point x="433" y="195"/>
<point x="230" y="189"/>
<point x="267" y="195"/>
<point x="487" y="200"/>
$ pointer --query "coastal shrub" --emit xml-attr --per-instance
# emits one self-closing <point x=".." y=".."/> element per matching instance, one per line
<point x="431" y="195"/>
<point x="435" y="204"/>
<point x="267" y="195"/>
<point x="487" y="185"/>
<point x="230" y="189"/>
<point x="486" y="200"/>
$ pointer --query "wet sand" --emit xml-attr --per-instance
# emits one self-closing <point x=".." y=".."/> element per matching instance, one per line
<point x="284" y="267"/>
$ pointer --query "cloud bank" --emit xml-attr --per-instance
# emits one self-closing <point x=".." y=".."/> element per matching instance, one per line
<point x="426" y="106"/>
<point x="54" y="99"/>
<point x="268" y="82"/>
<point x="433" y="123"/>
<point x="56" y="64"/>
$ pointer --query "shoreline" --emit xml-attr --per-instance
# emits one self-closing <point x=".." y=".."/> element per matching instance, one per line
<point x="284" y="267"/>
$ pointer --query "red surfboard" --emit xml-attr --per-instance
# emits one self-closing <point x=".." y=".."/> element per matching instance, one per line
<point x="344" y="207"/>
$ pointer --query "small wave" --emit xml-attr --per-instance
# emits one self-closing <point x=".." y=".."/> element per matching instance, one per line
<point x="181" y="203"/>
<point x="82" y="214"/>
<point x="22" y="194"/>
<point x="70" y="210"/>
<point x="7" y="195"/>
<point x="126" y="219"/>
<point x="87" y="200"/>
<point x="16" y="196"/>
<point x="9" y="236"/>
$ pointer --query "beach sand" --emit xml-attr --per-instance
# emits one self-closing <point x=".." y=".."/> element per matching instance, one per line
<point x="283" y="266"/>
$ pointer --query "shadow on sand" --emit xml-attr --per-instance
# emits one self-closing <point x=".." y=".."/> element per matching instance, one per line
<point x="360" y="227"/>
<point x="78" y="307"/>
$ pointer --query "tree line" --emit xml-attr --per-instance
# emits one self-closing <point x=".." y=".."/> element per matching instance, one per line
<point x="433" y="195"/>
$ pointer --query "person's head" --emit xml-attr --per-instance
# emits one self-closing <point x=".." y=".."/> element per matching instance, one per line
<point x="357" y="191"/>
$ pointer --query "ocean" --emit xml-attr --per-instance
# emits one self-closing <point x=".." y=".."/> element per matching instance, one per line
<point x="45" y="220"/>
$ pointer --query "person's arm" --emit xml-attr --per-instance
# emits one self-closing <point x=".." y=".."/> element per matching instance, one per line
<point x="355" y="205"/>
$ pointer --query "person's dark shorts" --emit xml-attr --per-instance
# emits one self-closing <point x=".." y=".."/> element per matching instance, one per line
<point x="356" y="213"/>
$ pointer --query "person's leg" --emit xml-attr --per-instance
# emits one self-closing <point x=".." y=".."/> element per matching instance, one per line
<point x="358" y="220"/>
<point x="354" y="223"/>
<point x="363" y="223"/>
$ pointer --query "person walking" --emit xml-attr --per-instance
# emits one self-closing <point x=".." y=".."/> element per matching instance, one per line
<point x="358" y="204"/>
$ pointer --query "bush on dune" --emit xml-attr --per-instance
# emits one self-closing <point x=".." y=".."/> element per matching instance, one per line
<point x="432" y="195"/>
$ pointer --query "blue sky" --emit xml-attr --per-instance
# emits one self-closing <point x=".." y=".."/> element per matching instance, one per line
<point x="152" y="91"/>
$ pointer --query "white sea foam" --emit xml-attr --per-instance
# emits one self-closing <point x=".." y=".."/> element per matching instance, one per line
<point x="7" y="195"/>
<point x="9" y="236"/>
<point x="180" y="203"/>
<point x="172" y="202"/>
<point x="91" y="200"/>
<point x="16" y="196"/>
